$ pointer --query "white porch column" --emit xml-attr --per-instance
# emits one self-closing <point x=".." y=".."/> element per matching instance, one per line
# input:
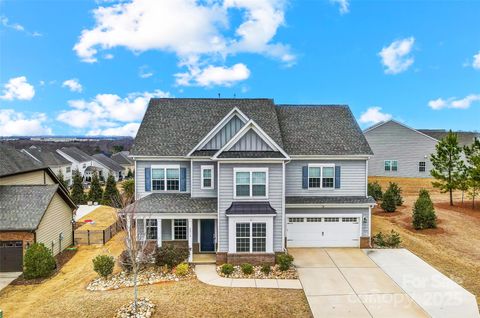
<point x="159" y="232"/>
<point x="190" y="240"/>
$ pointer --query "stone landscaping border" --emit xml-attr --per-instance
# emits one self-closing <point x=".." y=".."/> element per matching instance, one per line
<point x="275" y="273"/>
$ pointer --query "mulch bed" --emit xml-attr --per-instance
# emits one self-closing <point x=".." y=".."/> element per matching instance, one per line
<point x="61" y="259"/>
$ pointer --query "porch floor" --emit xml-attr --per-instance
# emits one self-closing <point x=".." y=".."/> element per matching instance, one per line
<point x="204" y="258"/>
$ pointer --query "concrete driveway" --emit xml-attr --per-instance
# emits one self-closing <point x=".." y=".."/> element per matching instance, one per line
<point x="7" y="278"/>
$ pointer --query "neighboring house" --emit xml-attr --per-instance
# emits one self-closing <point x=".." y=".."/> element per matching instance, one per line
<point x="34" y="207"/>
<point x="245" y="178"/>
<point x="53" y="160"/>
<point x="88" y="173"/>
<point x="79" y="159"/>
<point x="108" y="167"/>
<point x="123" y="159"/>
<point x="402" y="151"/>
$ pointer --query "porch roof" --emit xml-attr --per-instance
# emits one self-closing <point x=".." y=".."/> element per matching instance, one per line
<point x="172" y="203"/>
<point x="247" y="208"/>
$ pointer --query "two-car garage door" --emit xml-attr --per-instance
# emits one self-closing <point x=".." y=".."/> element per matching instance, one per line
<point x="323" y="230"/>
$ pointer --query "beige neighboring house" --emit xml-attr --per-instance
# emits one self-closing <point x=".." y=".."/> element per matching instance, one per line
<point x="123" y="159"/>
<point x="34" y="208"/>
<point x="53" y="160"/>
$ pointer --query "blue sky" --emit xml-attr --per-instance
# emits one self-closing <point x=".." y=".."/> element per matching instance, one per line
<point x="89" y="67"/>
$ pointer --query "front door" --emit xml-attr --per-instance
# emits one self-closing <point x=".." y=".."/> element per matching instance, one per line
<point x="207" y="235"/>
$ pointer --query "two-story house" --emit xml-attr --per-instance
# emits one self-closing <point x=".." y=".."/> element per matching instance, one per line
<point x="245" y="178"/>
<point x="108" y="167"/>
<point x="79" y="159"/>
<point x="53" y="160"/>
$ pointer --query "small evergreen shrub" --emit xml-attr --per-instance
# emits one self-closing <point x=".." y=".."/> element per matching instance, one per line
<point x="423" y="212"/>
<point x="266" y="269"/>
<point x="397" y="193"/>
<point x="38" y="261"/>
<point x="227" y="269"/>
<point x="284" y="261"/>
<point x="388" y="201"/>
<point x="103" y="265"/>
<point x="171" y="256"/>
<point x="182" y="269"/>
<point x="375" y="190"/>
<point x="391" y="240"/>
<point x="247" y="268"/>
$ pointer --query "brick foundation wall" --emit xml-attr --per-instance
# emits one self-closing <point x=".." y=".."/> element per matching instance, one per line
<point x="365" y="242"/>
<point x="26" y="237"/>
<point x="240" y="258"/>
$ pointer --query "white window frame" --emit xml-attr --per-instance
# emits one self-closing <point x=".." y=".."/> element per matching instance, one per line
<point x="173" y="229"/>
<point x="321" y="166"/>
<point x="164" y="167"/>
<point x="150" y="226"/>
<point x="424" y="166"/>
<point x="250" y="170"/>
<point x="391" y="165"/>
<point x="212" y="177"/>
<point x="232" y="227"/>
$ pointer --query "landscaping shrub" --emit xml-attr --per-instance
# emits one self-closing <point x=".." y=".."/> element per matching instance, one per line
<point x="375" y="190"/>
<point x="266" y="269"/>
<point x="391" y="240"/>
<point x="284" y="261"/>
<point x="170" y="256"/>
<point x="182" y="269"/>
<point x="103" y="265"/>
<point x="125" y="261"/>
<point x="247" y="268"/>
<point x="397" y="193"/>
<point x="38" y="261"/>
<point x="227" y="269"/>
<point x="388" y="201"/>
<point x="423" y="212"/>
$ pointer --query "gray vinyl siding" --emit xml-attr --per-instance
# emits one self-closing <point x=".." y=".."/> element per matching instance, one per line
<point x="392" y="141"/>
<point x="197" y="190"/>
<point x="352" y="178"/>
<point x="140" y="175"/>
<point x="363" y="211"/>
<point x="226" y="198"/>
<point x="225" y="134"/>
<point x="251" y="142"/>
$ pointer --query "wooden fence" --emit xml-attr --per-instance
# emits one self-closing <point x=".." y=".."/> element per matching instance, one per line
<point x="88" y="236"/>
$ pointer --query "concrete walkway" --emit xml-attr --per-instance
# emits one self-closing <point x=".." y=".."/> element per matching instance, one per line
<point x="207" y="274"/>
<point x="7" y="278"/>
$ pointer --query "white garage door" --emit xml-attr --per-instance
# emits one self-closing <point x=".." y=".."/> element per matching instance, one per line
<point x="323" y="231"/>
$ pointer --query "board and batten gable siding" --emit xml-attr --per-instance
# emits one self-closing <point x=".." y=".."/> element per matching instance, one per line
<point x="352" y="178"/>
<point x="140" y="175"/>
<point x="226" y="185"/>
<point x="363" y="211"/>
<point x="197" y="190"/>
<point x="251" y="141"/>
<point x="224" y="135"/>
<point x="392" y="141"/>
<point x="57" y="219"/>
<point x="33" y="177"/>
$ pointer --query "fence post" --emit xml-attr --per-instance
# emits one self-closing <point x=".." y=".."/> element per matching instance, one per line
<point x="103" y="233"/>
<point x="88" y="237"/>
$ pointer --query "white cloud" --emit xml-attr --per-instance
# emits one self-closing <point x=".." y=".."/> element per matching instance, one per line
<point x="126" y="130"/>
<point x="4" y="21"/>
<point x="14" y="123"/>
<point x="214" y="75"/>
<point x="73" y="84"/>
<point x="18" y="88"/>
<point x="476" y="61"/>
<point x="453" y="102"/>
<point x="396" y="57"/>
<point x="343" y="5"/>
<point x="374" y="115"/>
<point x="144" y="72"/>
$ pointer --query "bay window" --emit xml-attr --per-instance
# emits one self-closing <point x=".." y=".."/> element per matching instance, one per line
<point x="251" y="182"/>
<point x="251" y="237"/>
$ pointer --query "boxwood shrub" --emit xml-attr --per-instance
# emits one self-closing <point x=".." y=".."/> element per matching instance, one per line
<point x="38" y="262"/>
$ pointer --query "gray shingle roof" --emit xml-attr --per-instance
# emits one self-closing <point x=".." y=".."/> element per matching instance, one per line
<point x="173" y="203"/>
<point x="173" y="126"/>
<point x="76" y="154"/>
<point x="321" y="130"/>
<point x="48" y="158"/>
<point x="122" y="158"/>
<point x="13" y="161"/>
<point x="22" y="206"/>
<point x="465" y="138"/>
<point x="107" y="162"/>
<point x="251" y="154"/>
<point x="330" y="200"/>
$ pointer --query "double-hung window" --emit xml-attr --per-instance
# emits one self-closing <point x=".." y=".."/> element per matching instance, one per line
<point x="166" y="178"/>
<point x="180" y="229"/>
<point x="251" y="182"/>
<point x="421" y="166"/>
<point x="391" y="165"/>
<point x="321" y="176"/>
<point x="251" y="237"/>
<point x="151" y="229"/>
<point x="207" y="177"/>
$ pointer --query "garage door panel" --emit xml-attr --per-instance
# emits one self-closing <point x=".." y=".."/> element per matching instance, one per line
<point x="11" y="256"/>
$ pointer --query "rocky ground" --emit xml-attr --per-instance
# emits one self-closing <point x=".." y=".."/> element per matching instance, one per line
<point x="275" y="273"/>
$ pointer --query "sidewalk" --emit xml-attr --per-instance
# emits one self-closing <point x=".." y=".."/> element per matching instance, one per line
<point x="208" y="274"/>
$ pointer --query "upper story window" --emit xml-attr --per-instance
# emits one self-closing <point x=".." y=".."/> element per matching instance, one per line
<point x="67" y="169"/>
<point x="321" y="176"/>
<point x="165" y="178"/>
<point x="421" y="166"/>
<point x="391" y="165"/>
<point x="251" y="182"/>
<point x="207" y="177"/>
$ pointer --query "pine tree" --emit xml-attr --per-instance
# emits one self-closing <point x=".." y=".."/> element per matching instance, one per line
<point x="61" y="178"/>
<point x="129" y="173"/>
<point x="95" y="194"/>
<point x="78" y="196"/>
<point x="389" y="202"/>
<point x="446" y="164"/>
<point x="423" y="212"/>
<point x="463" y="180"/>
<point x="397" y="193"/>
<point x="110" y="195"/>
<point x="472" y="155"/>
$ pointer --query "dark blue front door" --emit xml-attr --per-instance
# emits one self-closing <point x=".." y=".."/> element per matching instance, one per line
<point x="207" y="233"/>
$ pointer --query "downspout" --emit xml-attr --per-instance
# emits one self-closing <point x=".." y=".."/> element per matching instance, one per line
<point x="284" y="217"/>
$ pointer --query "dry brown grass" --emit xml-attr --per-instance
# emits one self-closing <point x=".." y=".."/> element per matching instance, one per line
<point x="65" y="295"/>
<point x="410" y="186"/>
<point x="104" y="216"/>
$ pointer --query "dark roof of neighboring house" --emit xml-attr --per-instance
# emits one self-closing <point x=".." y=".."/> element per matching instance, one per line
<point x="122" y="158"/>
<point x="173" y="203"/>
<point x="174" y="126"/>
<point x="48" y="158"/>
<point x="251" y="154"/>
<point x="23" y="206"/>
<point x="246" y="208"/>
<point x="76" y="154"/>
<point x="13" y="161"/>
<point x="321" y="130"/>
<point x="465" y="138"/>
<point x="329" y="200"/>
<point x="107" y="162"/>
